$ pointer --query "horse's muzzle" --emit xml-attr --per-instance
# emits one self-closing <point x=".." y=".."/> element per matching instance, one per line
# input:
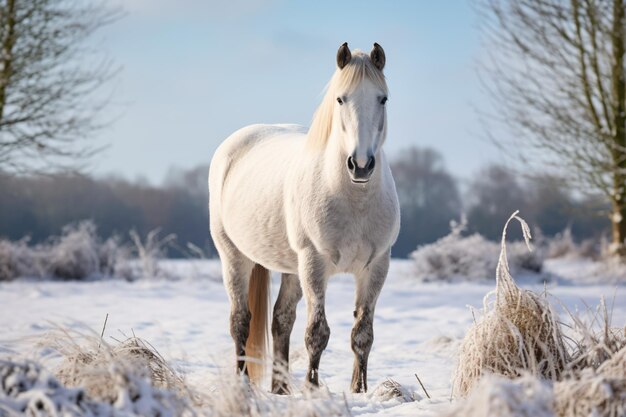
<point x="360" y="175"/>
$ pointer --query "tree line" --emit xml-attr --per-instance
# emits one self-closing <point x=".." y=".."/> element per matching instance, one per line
<point x="430" y="197"/>
<point x="564" y="107"/>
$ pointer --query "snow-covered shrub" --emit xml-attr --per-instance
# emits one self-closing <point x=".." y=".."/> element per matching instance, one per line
<point x="591" y="248"/>
<point x="519" y="332"/>
<point x="562" y="245"/>
<point x="150" y="252"/>
<point x="472" y="257"/>
<point x="455" y="257"/>
<point x="600" y="392"/>
<point x="18" y="260"/>
<point x="74" y="256"/>
<point x="93" y="364"/>
<point x="115" y="258"/>
<point x="80" y="254"/>
<point x="9" y="260"/>
<point x="28" y="389"/>
<point x="131" y="379"/>
<point x="130" y="375"/>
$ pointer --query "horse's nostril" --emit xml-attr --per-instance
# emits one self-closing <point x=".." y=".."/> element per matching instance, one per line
<point x="351" y="165"/>
<point x="371" y="163"/>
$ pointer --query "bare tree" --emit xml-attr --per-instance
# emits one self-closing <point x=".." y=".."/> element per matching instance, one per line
<point x="48" y="77"/>
<point x="493" y="194"/>
<point x="556" y="75"/>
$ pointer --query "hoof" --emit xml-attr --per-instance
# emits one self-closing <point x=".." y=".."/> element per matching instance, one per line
<point x="281" y="389"/>
<point x="312" y="386"/>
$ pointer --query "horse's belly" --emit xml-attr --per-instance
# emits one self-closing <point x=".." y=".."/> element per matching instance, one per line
<point x="252" y="210"/>
<point x="255" y="223"/>
<point x="264" y="244"/>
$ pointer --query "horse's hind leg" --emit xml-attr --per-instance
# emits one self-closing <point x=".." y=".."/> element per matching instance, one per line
<point x="236" y="269"/>
<point x="282" y="324"/>
<point x="368" y="286"/>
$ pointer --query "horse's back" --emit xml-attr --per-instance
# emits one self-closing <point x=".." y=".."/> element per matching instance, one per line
<point x="251" y="135"/>
<point x="234" y="148"/>
<point x="246" y="182"/>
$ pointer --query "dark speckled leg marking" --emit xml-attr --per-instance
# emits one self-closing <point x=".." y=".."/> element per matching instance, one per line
<point x="316" y="339"/>
<point x="236" y="269"/>
<point x="362" y="339"/>
<point x="282" y="325"/>
<point x="368" y="287"/>
<point x="313" y="280"/>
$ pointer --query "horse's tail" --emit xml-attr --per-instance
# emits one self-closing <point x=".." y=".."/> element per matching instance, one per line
<point x="258" y="338"/>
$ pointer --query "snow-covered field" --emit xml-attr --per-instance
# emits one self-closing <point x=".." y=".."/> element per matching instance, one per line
<point x="418" y="326"/>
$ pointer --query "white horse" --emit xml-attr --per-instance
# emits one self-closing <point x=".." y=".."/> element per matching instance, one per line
<point x="309" y="204"/>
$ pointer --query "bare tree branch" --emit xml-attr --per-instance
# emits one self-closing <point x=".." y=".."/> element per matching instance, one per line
<point x="555" y="74"/>
<point x="49" y="78"/>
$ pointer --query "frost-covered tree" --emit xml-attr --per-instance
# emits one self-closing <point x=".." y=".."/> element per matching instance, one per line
<point x="555" y="71"/>
<point x="48" y="77"/>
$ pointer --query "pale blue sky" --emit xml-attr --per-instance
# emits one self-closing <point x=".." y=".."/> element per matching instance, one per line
<point x="194" y="71"/>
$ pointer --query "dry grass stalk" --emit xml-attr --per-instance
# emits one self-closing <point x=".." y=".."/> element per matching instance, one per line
<point x="595" y="383"/>
<point x="592" y="384"/>
<point x="518" y="333"/>
<point x="520" y="338"/>
<point x="595" y="341"/>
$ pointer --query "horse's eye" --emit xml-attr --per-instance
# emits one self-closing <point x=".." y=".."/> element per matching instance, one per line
<point x="383" y="100"/>
<point x="339" y="100"/>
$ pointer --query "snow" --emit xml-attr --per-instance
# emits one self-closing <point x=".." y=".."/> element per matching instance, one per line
<point x="418" y="326"/>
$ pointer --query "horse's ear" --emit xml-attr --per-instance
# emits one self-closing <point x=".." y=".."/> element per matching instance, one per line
<point x="378" y="56"/>
<point x="343" y="55"/>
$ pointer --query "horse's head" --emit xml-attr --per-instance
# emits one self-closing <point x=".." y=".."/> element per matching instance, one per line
<point x="360" y="108"/>
<point x="353" y="111"/>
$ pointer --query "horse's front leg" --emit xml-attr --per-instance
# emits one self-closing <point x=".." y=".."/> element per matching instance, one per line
<point x="368" y="286"/>
<point x="313" y="279"/>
